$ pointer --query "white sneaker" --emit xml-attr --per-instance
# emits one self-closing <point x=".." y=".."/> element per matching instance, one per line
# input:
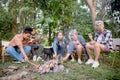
<point x="95" y="64"/>
<point x="79" y="61"/>
<point x="39" y="58"/>
<point x="72" y="60"/>
<point x="89" y="61"/>
<point x="23" y="61"/>
<point x="34" y="58"/>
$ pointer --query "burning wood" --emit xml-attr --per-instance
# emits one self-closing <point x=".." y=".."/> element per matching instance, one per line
<point x="50" y="66"/>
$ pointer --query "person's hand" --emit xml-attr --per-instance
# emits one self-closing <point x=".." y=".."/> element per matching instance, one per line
<point x="26" y="59"/>
<point x="90" y="36"/>
<point x="55" y="56"/>
<point x="32" y="41"/>
<point x="92" y="42"/>
<point x="64" y="59"/>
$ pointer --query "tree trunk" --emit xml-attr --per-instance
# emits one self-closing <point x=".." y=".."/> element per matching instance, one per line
<point x="14" y="28"/>
<point x="50" y="34"/>
<point x="103" y="10"/>
<point x="92" y="6"/>
<point x="22" y="20"/>
<point x="0" y="45"/>
<point x="13" y="10"/>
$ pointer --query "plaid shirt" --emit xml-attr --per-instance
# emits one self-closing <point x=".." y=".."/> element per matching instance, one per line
<point x="106" y="38"/>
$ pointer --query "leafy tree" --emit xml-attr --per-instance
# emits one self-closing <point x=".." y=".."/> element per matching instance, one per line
<point x="57" y="13"/>
<point x="6" y="24"/>
<point x="114" y="13"/>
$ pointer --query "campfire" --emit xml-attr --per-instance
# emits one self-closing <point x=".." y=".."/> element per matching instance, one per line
<point x="50" y="66"/>
<point x="54" y="66"/>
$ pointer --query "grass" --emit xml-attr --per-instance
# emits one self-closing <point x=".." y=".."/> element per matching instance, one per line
<point x="76" y="71"/>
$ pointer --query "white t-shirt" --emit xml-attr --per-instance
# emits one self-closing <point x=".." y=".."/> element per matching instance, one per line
<point x="99" y="39"/>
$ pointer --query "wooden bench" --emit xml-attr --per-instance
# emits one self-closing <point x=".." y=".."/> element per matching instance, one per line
<point x="116" y="48"/>
<point x="4" y="45"/>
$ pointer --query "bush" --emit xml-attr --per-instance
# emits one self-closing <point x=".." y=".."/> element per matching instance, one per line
<point x="6" y="21"/>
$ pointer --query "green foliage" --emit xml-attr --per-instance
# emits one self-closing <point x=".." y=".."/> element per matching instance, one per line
<point x="51" y="16"/>
<point x="115" y="5"/>
<point x="114" y="28"/>
<point x="113" y="14"/>
<point x="6" y="21"/>
<point x="65" y="15"/>
<point x="82" y="21"/>
<point x="57" y="16"/>
<point x="8" y="36"/>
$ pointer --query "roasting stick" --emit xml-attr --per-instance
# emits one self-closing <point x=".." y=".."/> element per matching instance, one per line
<point x="35" y="66"/>
<point x="32" y="64"/>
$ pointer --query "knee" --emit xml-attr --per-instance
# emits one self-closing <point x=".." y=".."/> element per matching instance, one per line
<point x="87" y="45"/>
<point x="79" y="47"/>
<point x="96" y="45"/>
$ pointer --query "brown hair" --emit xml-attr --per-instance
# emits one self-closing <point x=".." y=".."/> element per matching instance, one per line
<point x="60" y="32"/>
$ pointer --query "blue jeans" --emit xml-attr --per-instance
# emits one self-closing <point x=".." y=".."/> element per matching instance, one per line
<point x="15" y="52"/>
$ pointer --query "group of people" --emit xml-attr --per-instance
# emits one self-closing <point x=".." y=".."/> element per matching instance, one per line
<point x="23" y="43"/>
